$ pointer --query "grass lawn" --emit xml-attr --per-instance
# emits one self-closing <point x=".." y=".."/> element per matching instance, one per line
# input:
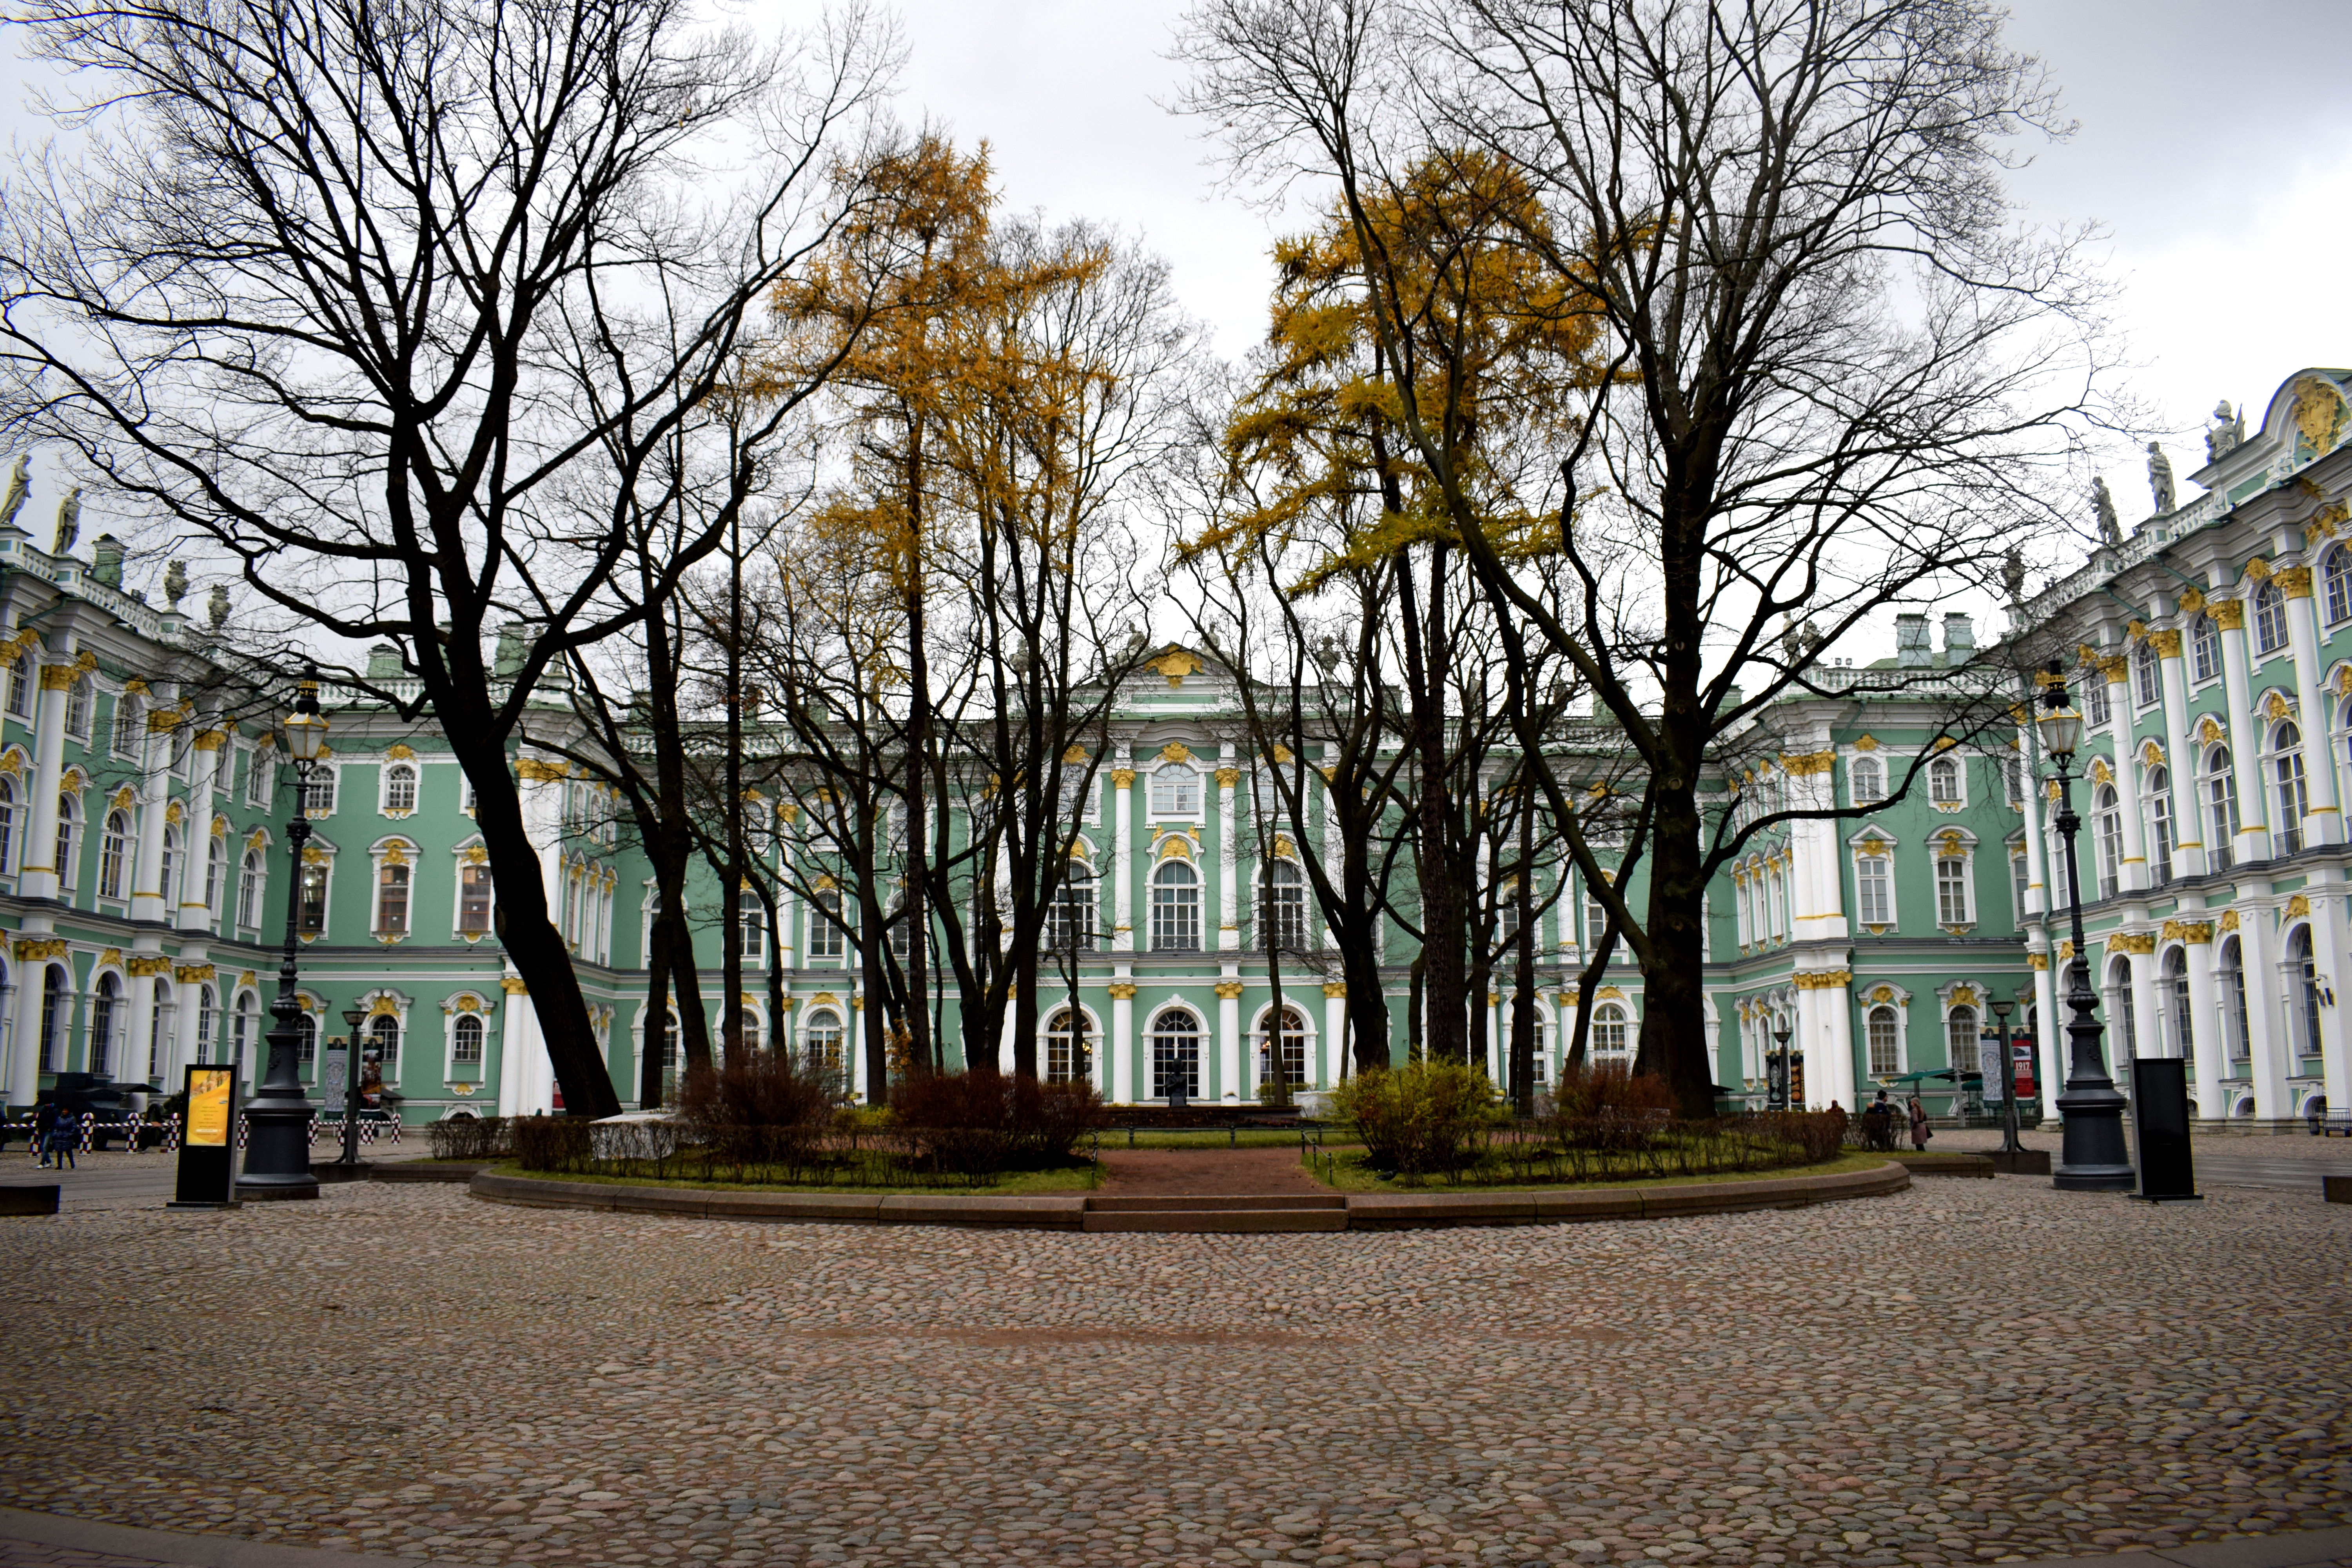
<point x="1349" y="1173"/>
<point x="1067" y="1178"/>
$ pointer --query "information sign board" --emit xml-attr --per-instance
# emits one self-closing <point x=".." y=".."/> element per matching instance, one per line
<point x="208" y="1146"/>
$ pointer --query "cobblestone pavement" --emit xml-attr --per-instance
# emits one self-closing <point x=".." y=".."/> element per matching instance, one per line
<point x="1967" y="1372"/>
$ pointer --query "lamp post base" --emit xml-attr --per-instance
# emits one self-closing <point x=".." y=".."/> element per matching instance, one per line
<point x="2092" y="1157"/>
<point x="276" y="1192"/>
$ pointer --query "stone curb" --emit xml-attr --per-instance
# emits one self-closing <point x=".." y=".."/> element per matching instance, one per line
<point x="178" y="1551"/>
<point x="1365" y="1211"/>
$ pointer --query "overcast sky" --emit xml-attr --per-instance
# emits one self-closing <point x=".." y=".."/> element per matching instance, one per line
<point x="2215" y="145"/>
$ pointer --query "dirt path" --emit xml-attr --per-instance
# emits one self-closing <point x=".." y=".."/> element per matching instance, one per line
<point x="1168" y="1173"/>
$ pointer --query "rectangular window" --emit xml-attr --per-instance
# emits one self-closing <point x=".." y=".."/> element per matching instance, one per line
<point x="1874" y="889"/>
<point x="311" y="919"/>
<point x="392" y="900"/>
<point x="320" y="800"/>
<point x="2095" y="704"/>
<point x="1175" y="791"/>
<point x="20" y="686"/>
<point x="1952" y="890"/>
<point x="827" y="939"/>
<point x="474" y="899"/>
<point x="2018" y="883"/>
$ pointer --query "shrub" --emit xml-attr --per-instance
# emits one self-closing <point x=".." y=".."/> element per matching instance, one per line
<point x="1427" y="1118"/>
<point x="1608" y="1106"/>
<point x="757" y="1088"/>
<point x="975" y="1124"/>
<point x="1820" y="1133"/>
<point x="470" y="1138"/>
<point x="551" y="1143"/>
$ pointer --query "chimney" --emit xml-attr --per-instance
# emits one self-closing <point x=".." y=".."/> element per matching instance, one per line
<point x="1960" y="638"/>
<point x="1911" y="640"/>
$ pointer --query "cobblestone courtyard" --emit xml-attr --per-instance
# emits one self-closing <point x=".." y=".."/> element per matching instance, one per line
<point x="1969" y="1370"/>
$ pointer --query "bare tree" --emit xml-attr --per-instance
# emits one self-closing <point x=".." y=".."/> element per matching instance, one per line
<point x="370" y="301"/>
<point x="1833" y="378"/>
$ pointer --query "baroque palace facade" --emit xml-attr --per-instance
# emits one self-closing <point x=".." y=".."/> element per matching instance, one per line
<point x="143" y="864"/>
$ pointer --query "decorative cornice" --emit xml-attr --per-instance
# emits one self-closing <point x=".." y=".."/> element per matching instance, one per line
<point x="41" y="951"/>
<point x="2186" y="931"/>
<point x="1823" y="980"/>
<point x="1807" y="764"/>
<point x="2132" y="941"/>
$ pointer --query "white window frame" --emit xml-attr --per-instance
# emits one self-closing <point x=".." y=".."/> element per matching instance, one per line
<point x="1965" y="860"/>
<point x="2204" y="651"/>
<point x="1180" y="776"/>
<point x="384" y="803"/>
<point x="1947" y="766"/>
<point x="2269" y="617"/>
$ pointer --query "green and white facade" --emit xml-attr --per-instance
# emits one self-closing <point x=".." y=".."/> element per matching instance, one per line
<point x="142" y="868"/>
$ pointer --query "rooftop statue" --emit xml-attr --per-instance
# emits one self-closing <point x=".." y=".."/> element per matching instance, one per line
<point x="2228" y="434"/>
<point x="2160" y="479"/>
<point x="12" y="499"/>
<point x="2111" y="532"/>
<point x="216" y="607"/>
<point x="69" y="523"/>
<point x="175" y="586"/>
<point x="2012" y="573"/>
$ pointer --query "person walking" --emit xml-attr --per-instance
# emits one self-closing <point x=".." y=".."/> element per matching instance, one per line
<point x="1918" y="1123"/>
<point x="45" y="1118"/>
<point x="65" y="1138"/>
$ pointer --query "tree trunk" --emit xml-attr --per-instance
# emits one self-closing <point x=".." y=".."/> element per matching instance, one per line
<point x="1675" y="1043"/>
<point x="1522" y="974"/>
<point x="657" y="1031"/>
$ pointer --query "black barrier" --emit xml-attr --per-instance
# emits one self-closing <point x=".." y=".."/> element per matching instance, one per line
<point x="2160" y="1117"/>
<point x="207" y="1174"/>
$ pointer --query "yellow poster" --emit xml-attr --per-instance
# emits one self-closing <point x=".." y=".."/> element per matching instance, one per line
<point x="208" y="1096"/>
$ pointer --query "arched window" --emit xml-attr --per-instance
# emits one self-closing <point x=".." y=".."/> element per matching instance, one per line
<point x="1069" y="1052"/>
<point x="20" y="685"/>
<point x="126" y="725"/>
<point x="1886" y="1043"/>
<point x="311" y="917"/>
<point x="113" y="854"/>
<point x="826" y="937"/>
<point x="465" y="1041"/>
<point x="105" y="1020"/>
<point x="2270" y="617"/>
<point x="2335" y="572"/>
<point x="1175" y="790"/>
<point x="2147" y="687"/>
<point x="1290" y="1041"/>
<point x="53" y="1004"/>
<point x="318" y="798"/>
<point x="1944" y="782"/>
<point x="1778" y="889"/>
<point x="2108" y="810"/>
<point x="1070" y="918"/>
<point x="2221" y="808"/>
<point x="1282" y="913"/>
<point x="216" y="873"/>
<point x="2204" y="648"/>
<point x="751" y="923"/>
<point x="2175" y="985"/>
<point x="1874" y="882"/>
<point x="2293" y="800"/>
<point x="2235" y="1022"/>
<point x="400" y="787"/>
<point x="1867" y="781"/>
<point x="384" y="1044"/>
<point x="2096" y="711"/>
<point x="2303" y="982"/>
<point x="306" y="1039"/>
<point x="747" y="1029"/>
<point x="2119" y="1007"/>
<point x="2159" y="822"/>
<point x="1175" y="907"/>
<point x="1953" y="905"/>
<point x="391" y="896"/>
<point x="821" y="1038"/>
<point x="1609" y="1029"/>
<point x="1176" y="1054"/>
<point x="68" y="842"/>
<point x="167" y="877"/>
<point x="7" y="824"/>
<point x="1960" y="1041"/>
<point x="249" y="889"/>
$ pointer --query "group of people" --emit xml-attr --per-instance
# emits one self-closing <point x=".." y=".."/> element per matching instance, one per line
<point x="1879" y="1121"/>
<point x="56" y="1136"/>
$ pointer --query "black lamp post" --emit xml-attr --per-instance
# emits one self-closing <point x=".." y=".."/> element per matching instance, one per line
<point x="2009" y="1144"/>
<point x="1780" y="1085"/>
<point x="2092" y="1157"/>
<point x="278" y="1152"/>
<point x="353" y="1019"/>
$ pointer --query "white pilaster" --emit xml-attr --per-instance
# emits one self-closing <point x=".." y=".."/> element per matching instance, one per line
<point x="2244" y="740"/>
<point x="2189" y="824"/>
<point x="1123" y="874"/>
<point x="2268" y="1043"/>
<point x="1229" y="931"/>
<point x="2332" y="960"/>
<point x="1229" y="1083"/>
<point x="40" y="878"/>
<point x="2323" y="820"/>
<point x="1335" y="1031"/>
<point x="1122" y="1036"/>
<point x="2206" y="1051"/>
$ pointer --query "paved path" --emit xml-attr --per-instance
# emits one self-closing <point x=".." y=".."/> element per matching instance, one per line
<point x="118" y="1179"/>
<point x="56" y="1541"/>
<point x="1964" y="1372"/>
<point x="1193" y="1173"/>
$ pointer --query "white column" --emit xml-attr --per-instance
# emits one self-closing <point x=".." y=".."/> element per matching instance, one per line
<point x="2270" y="1046"/>
<point x="189" y="978"/>
<point x="1820" y="1075"/>
<point x="2038" y="881"/>
<point x="39" y="879"/>
<point x="1004" y="1041"/>
<point x="2253" y="843"/>
<point x="1833" y="1025"/>
<point x="2146" y="1020"/>
<point x="2205" y="1037"/>
<point x="1229" y="931"/>
<point x="1122" y="875"/>
<point x="1122" y="1038"/>
<point x="2332" y="961"/>
<point x="28" y="973"/>
<point x="1335" y="1031"/>
<point x="2051" y="1045"/>
<point x="2132" y="875"/>
<point x="2324" y="821"/>
<point x="1229" y="1083"/>
<point x="196" y="844"/>
<point x="514" y="1036"/>
<point x="2188" y="823"/>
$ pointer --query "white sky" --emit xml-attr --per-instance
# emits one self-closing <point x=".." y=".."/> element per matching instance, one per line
<point x="2216" y="146"/>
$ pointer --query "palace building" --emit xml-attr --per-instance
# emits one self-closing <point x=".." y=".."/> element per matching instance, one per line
<point x="143" y="864"/>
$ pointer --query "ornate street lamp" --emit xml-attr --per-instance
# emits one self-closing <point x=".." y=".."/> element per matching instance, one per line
<point x="277" y="1151"/>
<point x="353" y="1019"/>
<point x="2009" y="1144"/>
<point x="2092" y="1157"/>
<point x="1780" y="1086"/>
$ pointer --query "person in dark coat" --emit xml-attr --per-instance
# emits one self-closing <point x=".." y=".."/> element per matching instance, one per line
<point x="1918" y="1123"/>
<point x="45" y="1117"/>
<point x="64" y="1138"/>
